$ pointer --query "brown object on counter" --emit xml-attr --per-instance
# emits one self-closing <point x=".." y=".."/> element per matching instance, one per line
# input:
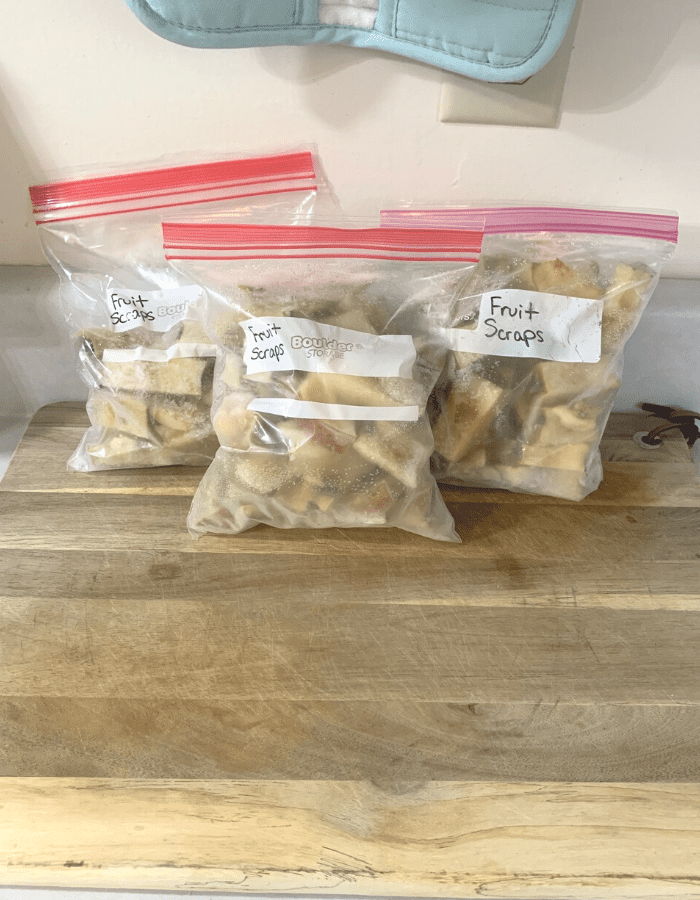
<point x="358" y="711"/>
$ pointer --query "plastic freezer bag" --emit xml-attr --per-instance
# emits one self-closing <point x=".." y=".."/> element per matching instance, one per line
<point x="330" y="343"/>
<point x="537" y="342"/>
<point x="147" y="363"/>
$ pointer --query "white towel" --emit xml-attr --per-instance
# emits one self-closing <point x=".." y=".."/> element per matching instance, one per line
<point x="350" y="13"/>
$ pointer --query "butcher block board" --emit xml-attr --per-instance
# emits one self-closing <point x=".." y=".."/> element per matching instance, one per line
<point x="360" y="712"/>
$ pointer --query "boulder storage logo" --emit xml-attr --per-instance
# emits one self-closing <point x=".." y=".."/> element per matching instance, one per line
<point x="323" y="347"/>
<point x="176" y="309"/>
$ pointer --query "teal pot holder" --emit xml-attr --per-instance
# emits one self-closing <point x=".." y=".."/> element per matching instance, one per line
<point x="492" y="40"/>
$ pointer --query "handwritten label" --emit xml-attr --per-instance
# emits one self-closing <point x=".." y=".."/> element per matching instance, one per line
<point x="535" y="325"/>
<point x="155" y="310"/>
<point x="285" y="344"/>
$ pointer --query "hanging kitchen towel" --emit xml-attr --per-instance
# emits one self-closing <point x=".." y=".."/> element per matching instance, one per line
<point x="492" y="40"/>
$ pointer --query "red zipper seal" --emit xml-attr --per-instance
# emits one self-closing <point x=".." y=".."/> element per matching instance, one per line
<point x="236" y="241"/>
<point x="171" y="182"/>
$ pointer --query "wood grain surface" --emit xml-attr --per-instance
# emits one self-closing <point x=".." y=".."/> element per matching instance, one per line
<point x="351" y="711"/>
<point x="448" y="839"/>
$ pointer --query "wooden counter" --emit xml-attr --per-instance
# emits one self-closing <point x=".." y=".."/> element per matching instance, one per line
<point x="359" y="712"/>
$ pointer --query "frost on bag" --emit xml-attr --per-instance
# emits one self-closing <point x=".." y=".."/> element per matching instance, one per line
<point x="330" y="343"/>
<point x="537" y="343"/>
<point x="145" y="359"/>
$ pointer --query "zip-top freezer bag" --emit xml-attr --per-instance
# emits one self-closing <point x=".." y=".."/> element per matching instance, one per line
<point x="147" y="363"/>
<point x="330" y="342"/>
<point x="537" y="342"/>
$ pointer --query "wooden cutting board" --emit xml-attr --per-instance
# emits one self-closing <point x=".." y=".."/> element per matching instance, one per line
<point x="359" y="712"/>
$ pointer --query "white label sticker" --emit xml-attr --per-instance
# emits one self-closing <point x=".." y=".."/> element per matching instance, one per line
<point x="304" y="409"/>
<point x="147" y="354"/>
<point x="155" y="310"/>
<point x="285" y="344"/>
<point x="535" y="325"/>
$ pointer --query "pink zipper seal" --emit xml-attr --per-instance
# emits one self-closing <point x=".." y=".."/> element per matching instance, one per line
<point x="533" y="219"/>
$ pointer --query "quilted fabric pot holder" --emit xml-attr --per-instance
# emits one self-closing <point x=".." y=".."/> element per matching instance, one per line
<point x="491" y="40"/>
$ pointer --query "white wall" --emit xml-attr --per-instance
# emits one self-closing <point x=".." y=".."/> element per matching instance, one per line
<point x="83" y="83"/>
